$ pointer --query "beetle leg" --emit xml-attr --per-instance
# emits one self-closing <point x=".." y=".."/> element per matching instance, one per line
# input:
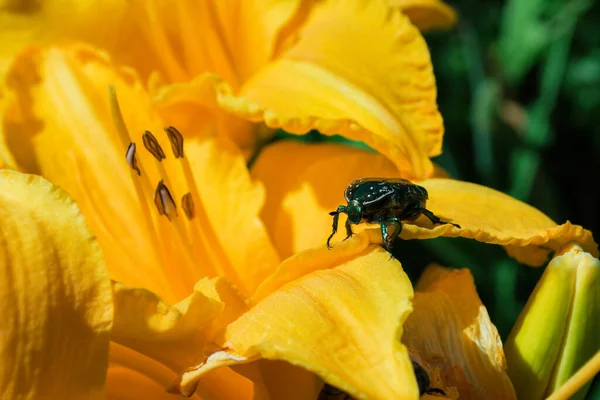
<point x="336" y="217"/>
<point x="435" y="219"/>
<point x="390" y="237"/>
<point x="435" y="390"/>
<point x="349" y="232"/>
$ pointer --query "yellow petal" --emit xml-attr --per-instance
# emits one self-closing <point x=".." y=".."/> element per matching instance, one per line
<point x="452" y="332"/>
<point x="158" y="340"/>
<point x="132" y="375"/>
<point x="56" y="302"/>
<point x="427" y="14"/>
<point x="233" y="204"/>
<point x="253" y="30"/>
<point x="46" y="22"/>
<point x="229" y="38"/>
<point x="358" y="69"/>
<point x="490" y="216"/>
<point x="285" y="381"/>
<point x="174" y="335"/>
<point x="57" y="123"/>
<point x="78" y="147"/>
<point x="341" y="323"/>
<point x="189" y="106"/>
<point x="304" y="183"/>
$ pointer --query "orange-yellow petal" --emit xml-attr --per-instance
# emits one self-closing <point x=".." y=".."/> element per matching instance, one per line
<point x="304" y="182"/>
<point x="490" y="216"/>
<point x="282" y="380"/>
<point x="45" y="22"/>
<point x="159" y="341"/>
<point x="342" y="323"/>
<point x="56" y="302"/>
<point x="253" y="30"/>
<point x="233" y="202"/>
<point x="174" y="335"/>
<point x="359" y="69"/>
<point x="452" y="332"/>
<point x="58" y="123"/>
<point x="427" y="14"/>
<point x="227" y="37"/>
<point x="132" y="375"/>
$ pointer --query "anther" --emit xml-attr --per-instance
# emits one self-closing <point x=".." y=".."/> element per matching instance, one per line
<point x="187" y="203"/>
<point x="151" y="144"/>
<point x="176" y="139"/>
<point x="164" y="201"/>
<point x="131" y="159"/>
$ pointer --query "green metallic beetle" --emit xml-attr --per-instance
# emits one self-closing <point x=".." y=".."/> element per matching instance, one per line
<point x="383" y="201"/>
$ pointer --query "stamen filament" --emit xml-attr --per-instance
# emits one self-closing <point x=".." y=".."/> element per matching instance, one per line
<point x="138" y="181"/>
<point x="117" y="116"/>
<point x="218" y="258"/>
<point x="216" y="253"/>
<point x="584" y="375"/>
<point x="166" y="206"/>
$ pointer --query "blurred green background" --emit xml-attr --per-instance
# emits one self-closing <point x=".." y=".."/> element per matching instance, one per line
<point x="519" y="90"/>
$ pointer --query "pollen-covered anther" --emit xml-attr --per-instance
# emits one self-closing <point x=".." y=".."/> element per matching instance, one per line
<point x="151" y="144"/>
<point x="164" y="201"/>
<point x="187" y="203"/>
<point x="131" y="159"/>
<point x="176" y="139"/>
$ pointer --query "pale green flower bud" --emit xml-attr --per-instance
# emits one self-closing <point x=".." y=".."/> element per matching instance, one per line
<point x="559" y="329"/>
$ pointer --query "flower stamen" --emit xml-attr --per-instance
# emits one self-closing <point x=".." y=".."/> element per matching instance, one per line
<point x="176" y="139"/>
<point x="204" y="236"/>
<point x="131" y="159"/>
<point x="153" y="147"/>
<point x="164" y="201"/>
<point x="187" y="203"/>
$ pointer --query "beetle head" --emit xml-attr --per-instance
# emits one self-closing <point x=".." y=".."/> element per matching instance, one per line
<point x="354" y="211"/>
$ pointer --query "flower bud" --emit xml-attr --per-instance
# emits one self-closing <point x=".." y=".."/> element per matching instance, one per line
<point x="557" y="332"/>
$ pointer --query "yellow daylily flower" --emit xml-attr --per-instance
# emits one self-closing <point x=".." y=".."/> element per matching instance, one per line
<point x="201" y="287"/>
<point x="217" y="269"/>
<point x="250" y="58"/>
<point x="56" y="300"/>
<point x="216" y="235"/>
